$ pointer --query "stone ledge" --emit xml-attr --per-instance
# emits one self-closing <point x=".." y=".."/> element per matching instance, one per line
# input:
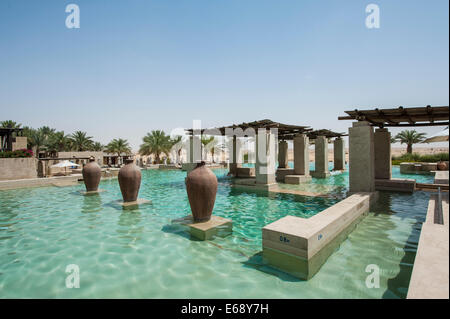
<point x="300" y="246"/>
<point x="395" y="184"/>
<point x="216" y="226"/>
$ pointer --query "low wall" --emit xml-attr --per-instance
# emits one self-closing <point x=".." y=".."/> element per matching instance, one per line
<point x="300" y="246"/>
<point x="18" y="168"/>
<point x="417" y="168"/>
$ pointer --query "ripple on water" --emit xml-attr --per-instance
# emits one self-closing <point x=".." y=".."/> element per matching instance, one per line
<point x="138" y="253"/>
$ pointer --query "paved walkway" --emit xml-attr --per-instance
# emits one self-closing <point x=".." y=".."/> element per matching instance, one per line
<point x="429" y="279"/>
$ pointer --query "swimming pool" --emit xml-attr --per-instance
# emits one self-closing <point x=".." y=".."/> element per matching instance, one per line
<point x="139" y="253"/>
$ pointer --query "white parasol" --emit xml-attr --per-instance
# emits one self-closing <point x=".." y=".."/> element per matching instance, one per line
<point x="442" y="136"/>
<point x="65" y="164"/>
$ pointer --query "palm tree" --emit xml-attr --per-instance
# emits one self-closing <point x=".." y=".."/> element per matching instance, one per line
<point x="156" y="142"/>
<point x="10" y="124"/>
<point x="176" y="143"/>
<point x="57" y="142"/>
<point x="80" y="141"/>
<point x="209" y="144"/>
<point x="118" y="146"/>
<point x="97" y="147"/>
<point x="37" y="140"/>
<point x="409" y="138"/>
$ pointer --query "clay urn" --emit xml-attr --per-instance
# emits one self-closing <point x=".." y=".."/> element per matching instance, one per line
<point x="91" y="175"/>
<point x="129" y="181"/>
<point x="442" y="166"/>
<point x="201" y="187"/>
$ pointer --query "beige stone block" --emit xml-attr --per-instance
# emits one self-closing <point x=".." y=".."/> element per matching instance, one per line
<point x="216" y="226"/>
<point x="297" y="179"/>
<point x="300" y="246"/>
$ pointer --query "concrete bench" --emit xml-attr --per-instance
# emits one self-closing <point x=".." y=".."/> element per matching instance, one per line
<point x="300" y="246"/>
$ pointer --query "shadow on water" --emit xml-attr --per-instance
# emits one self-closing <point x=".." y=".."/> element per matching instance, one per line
<point x="400" y="283"/>
<point x="392" y="203"/>
<point x="179" y="230"/>
<point x="256" y="262"/>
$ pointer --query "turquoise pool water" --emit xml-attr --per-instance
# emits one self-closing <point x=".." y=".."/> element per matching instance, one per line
<point x="139" y="253"/>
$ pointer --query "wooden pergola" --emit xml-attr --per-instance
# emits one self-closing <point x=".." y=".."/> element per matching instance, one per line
<point x="285" y="131"/>
<point x="401" y="116"/>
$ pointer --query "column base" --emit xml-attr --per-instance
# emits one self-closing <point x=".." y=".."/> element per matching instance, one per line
<point x="297" y="179"/>
<point x="139" y="201"/>
<point x="320" y="174"/>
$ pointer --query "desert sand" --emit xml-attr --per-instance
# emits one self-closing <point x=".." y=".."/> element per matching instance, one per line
<point x="396" y="151"/>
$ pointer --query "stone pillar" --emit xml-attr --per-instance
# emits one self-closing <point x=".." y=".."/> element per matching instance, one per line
<point x="361" y="157"/>
<point x="301" y="155"/>
<point x="383" y="156"/>
<point x="339" y="154"/>
<point x="283" y="154"/>
<point x="235" y="156"/>
<point x="321" y="155"/>
<point x="265" y="157"/>
<point x="193" y="154"/>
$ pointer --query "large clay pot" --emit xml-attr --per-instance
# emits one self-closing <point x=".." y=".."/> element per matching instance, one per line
<point x="91" y="175"/>
<point x="201" y="187"/>
<point x="129" y="181"/>
<point x="442" y="166"/>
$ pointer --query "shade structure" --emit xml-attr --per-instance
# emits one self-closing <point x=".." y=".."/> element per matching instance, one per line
<point x="442" y="136"/>
<point x="65" y="163"/>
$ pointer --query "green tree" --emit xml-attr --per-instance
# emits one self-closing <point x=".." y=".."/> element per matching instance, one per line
<point x="10" y="124"/>
<point x="37" y="140"/>
<point x="80" y="141"/>
<point x="209" y="144"/>
<point x="58" y="142"/>
<point x="97" y="147"/>
<point x="177" y="144"/>
<point x="156" y="142"/>
<point x="410" y="137"/>
<point x="118" y="146"/>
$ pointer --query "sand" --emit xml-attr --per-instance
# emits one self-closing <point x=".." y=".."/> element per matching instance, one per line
<point x="396" y="151"/>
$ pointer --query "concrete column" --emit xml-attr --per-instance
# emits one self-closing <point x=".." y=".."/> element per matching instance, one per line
<point x="383" y="155"/>
<point x="283" y="154"/>
<point x="235" y="156"/>
<point x="339" y="154"/>
<point x="301" y="155"/>
<point x="321" y="155"/>
<point x="265" y="157"/>
<point x="361" y="157"/>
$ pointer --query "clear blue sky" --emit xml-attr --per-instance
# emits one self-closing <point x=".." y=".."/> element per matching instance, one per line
<point x="139" y="65"/>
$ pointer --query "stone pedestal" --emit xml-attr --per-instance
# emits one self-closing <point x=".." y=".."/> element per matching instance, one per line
<point x="283" y="154"/>
<point x="265" y="158"/>
<point x="383" y="156"/>
<point x="321" y="161"/>
<point x="139" y="201"/>
<point x="297" y="179"/>
<point x="92" y="192"/>
<point x="361" y="157"/>
<point x="282" y="172"/>
<point x="216" y="226"/>
<point x="301" y="155"/>
<point x="339" y="154"/>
